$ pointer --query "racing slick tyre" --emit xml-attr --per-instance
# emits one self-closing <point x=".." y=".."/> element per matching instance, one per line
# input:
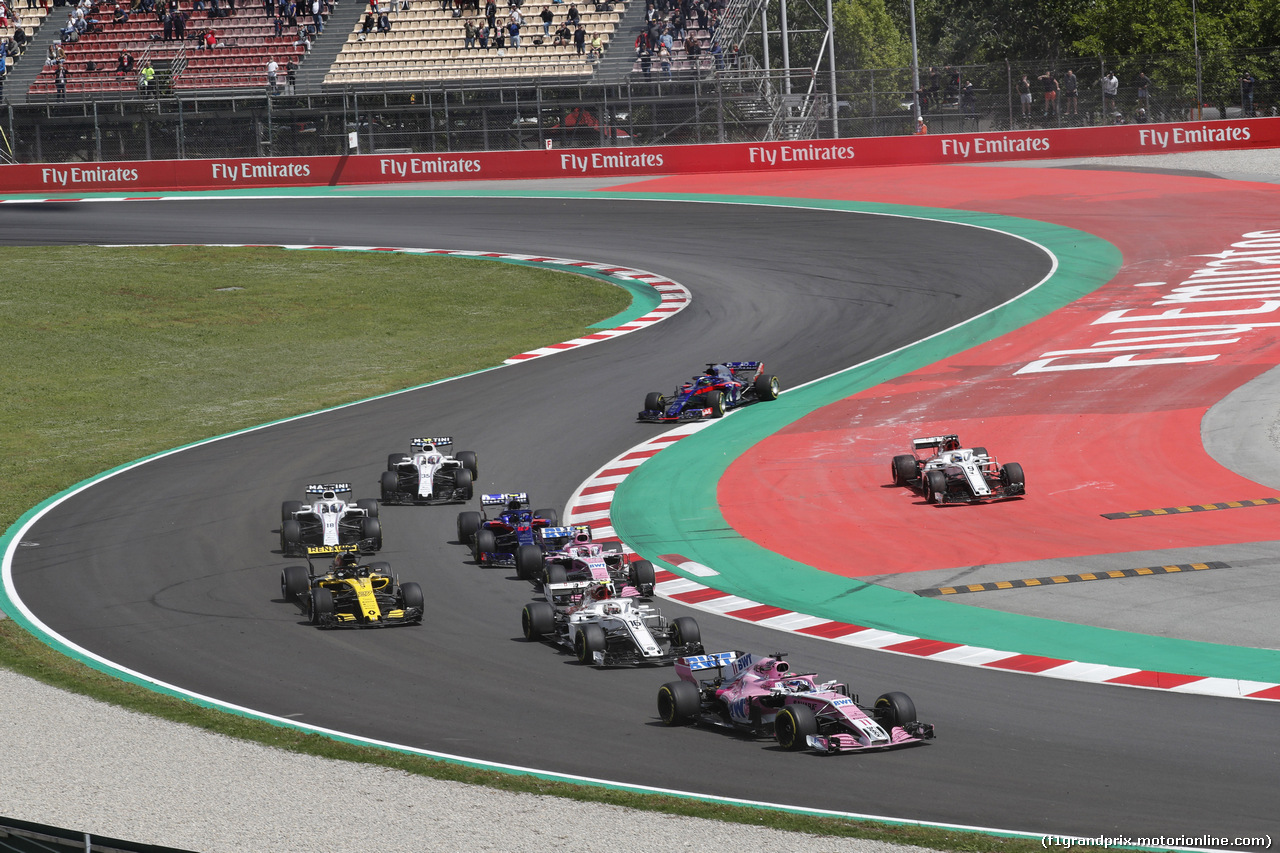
<point x="894" y="709"/>
<point x="369" y="505"/>
<point x="468" y="524"/>
<point x="462" y="479"/>
<point x="390" y="484"/>
<point x="528" y="562"/>
<point x="793" y="724"/>
<point x="294" y="581"/>
<point x="905" y="471"/>
<point x="678" y="702"/>
<point x="653" y="401"/>
<point x="715" y="402"/>
<point x="935" y="487"/>
<point x="685" y="632"/>
<point x="371" y="529"/>
<point x="291" y="537"/>
<point x="485" y="542"/>
<point x="411" y="596"/>
<point x="469" y="461"/>
<point x="321" y="605"/>
<point x="395" y="459"/>
<point x="588" y="641"/>
<point x="643" y="577"/>
<point x="1012" y="478"/>
<point x="766" y="387"/>
<point x="288" y="508"/>
<point x="552" y="517"/>
<point x="555" y="573"/>
<point x="537" y="620"/>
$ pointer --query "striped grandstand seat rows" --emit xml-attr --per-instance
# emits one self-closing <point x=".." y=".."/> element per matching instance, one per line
<point x="427" y="44"/>
<point x="247" y="37"/>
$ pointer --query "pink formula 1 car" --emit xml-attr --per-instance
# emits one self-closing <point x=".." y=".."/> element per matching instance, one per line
<point x="761" y="696"/>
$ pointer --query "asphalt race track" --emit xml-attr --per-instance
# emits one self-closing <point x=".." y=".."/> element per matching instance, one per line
<point x="171" y="569"/>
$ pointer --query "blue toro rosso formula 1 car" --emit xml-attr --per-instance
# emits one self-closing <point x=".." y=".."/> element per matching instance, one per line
<point x="517" y="536"/>
<point x="722" y="386"/>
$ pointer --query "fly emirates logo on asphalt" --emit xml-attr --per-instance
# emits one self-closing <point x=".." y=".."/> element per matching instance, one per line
<point x="1233" y="294"/>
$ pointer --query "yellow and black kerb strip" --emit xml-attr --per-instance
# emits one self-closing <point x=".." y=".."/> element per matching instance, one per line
<point x="1029" y="583"/>
<point x="1178" y="510"/>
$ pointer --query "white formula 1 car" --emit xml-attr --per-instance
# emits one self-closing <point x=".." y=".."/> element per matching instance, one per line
<point x="606" y="629"/>
<point x="330" y="520"/>
<point x="429" y="475"/>
<point x="944" y="472"/>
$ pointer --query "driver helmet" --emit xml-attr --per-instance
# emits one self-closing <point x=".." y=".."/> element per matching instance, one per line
<point x="957" y="457"/>
<point x="345" y="561"/>
<point x="581" y="538"/>
<point x="601" y="592"/>
<point x="513" y="505"/>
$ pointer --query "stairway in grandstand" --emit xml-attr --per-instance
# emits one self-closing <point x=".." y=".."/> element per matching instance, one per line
<point x="324" y="51"/>
<point x="42" y="30"/>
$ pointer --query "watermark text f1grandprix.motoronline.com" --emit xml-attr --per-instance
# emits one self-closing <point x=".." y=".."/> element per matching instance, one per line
<point x="1069" y="841"/>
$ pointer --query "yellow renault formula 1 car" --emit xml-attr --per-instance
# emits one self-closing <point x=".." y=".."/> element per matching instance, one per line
<point x="346" y="594"/>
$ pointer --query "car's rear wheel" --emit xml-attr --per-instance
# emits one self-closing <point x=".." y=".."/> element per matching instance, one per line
<point x="678" y="702"/>
<point x="291" y="537"/>
<point x="288" y="508"/>
<point x="793" y="724"/>
<point x="528" y="562"/>
<point x="935" y="486"/>
<point x="652" y="401"/>
<point x="469" y="461"/>
<point x="394" y="459"/>
<point x="685" y="631"/>
<point x="537" y="620"/>
<point x="905" y="470"/>
<point x="894" y="709"/>
<point x="369" y="505"/>
<point x="715" y="402"/>
<point x="462" y="481"/>
<point x="552" y="517"/>
<point x="321" y="605"/>
<point x="468" y="524"/>
<point x="588" y="641"/>
<point x="643" y="577"/>
<point x="390" y="484"/>
<point x="294" y="581"/>
<point x="1013" y="479"/>
<point x="766" y="387"/>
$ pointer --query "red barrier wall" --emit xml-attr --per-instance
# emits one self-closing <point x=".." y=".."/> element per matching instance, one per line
<point x="160" y="175"/>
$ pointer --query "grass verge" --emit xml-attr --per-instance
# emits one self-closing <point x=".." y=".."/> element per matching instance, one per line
<point x="113" y="354"/>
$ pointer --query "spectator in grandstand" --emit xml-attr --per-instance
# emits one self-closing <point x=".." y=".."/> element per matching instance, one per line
<point x="1247" y="82"/>
<point x="482" y="35"/>
<point x="664" y="38"/>
<point x="290" y="76"/>
<point x="579" y="39"/>
<point x="692" y="47"/>
<point x="317" y="16"/>
<point x="491" y="14"/>
<point x="1144" y="90"/>
<point x="120" y="15"/>
<point x="646" y="62"/>
<point x="273" y="71"/>
<point x="547" y="17"/>
<point x="1070" y="93"/>
<point x="514" y="29"/>
<point x="968" y="98"/>
<point x="700" y="10"/>
<point x="664" y="61"/>
<point x="277" y="24"/>
<point x="563" y="37"/>
<point x="208" y="41"/>
<point x="384" y="23"/>
<point x="499" y="38"/>
<point x="1024" y="96"/>
<point x="515" y="16"/>
<point x="1110" y="88"/>
<point x="575" y="18"/>
<point x="60" y="80"/>
<point x="370" y="22"/>
<point x="597" y="48"/>
<point x="146" y="79"/>
<point x="469" y="34"/>
<point x="1049" y="84"/>
<point x="124" y="63"/>
<point x="20" y="39"/>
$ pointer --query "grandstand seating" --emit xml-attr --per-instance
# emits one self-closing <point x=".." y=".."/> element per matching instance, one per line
<point x="31" y="17"/>
<point x="426" y="44"/>
<point x="246" y="38"/>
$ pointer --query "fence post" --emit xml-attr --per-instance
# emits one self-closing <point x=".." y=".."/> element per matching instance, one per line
<point x="182" y="134"/>
<point x="97" y="135"/>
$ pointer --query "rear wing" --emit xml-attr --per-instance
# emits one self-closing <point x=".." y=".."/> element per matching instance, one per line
<point x="557" y="532"/>
<point x="686" y="666"/>
<point x="439" y="441"/>
<point x="935" y="441"/>
<point x="503" y="500"/>
<point x="320" y="550"/>
<point x="738" y="365"/>
<point x="321" y="488"/>
<point x="568" y="592"/>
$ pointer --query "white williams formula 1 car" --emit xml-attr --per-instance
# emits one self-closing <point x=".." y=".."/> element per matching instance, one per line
<point x="944" y="472"/>
<point x="429" y="475"/>
<point x="330" y="520"/>
<point x="605" y="629"/>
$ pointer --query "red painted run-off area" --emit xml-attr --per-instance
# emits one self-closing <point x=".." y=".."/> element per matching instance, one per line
<point x="1091" y="441"/>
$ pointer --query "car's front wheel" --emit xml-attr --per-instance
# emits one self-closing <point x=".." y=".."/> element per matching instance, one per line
<point x="685" y="631"/>
<point x="321" y="605"/>
<point x="894" y="709"/>
<point x="793" y="725"/>
<point x="1013" y="479"/>
<point x="588" y="641"/>
<point x="935" y="486"/>
<point x="715" y="402"/>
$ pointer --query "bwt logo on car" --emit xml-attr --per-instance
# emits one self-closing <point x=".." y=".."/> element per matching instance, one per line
<point x="740" y="709"/>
